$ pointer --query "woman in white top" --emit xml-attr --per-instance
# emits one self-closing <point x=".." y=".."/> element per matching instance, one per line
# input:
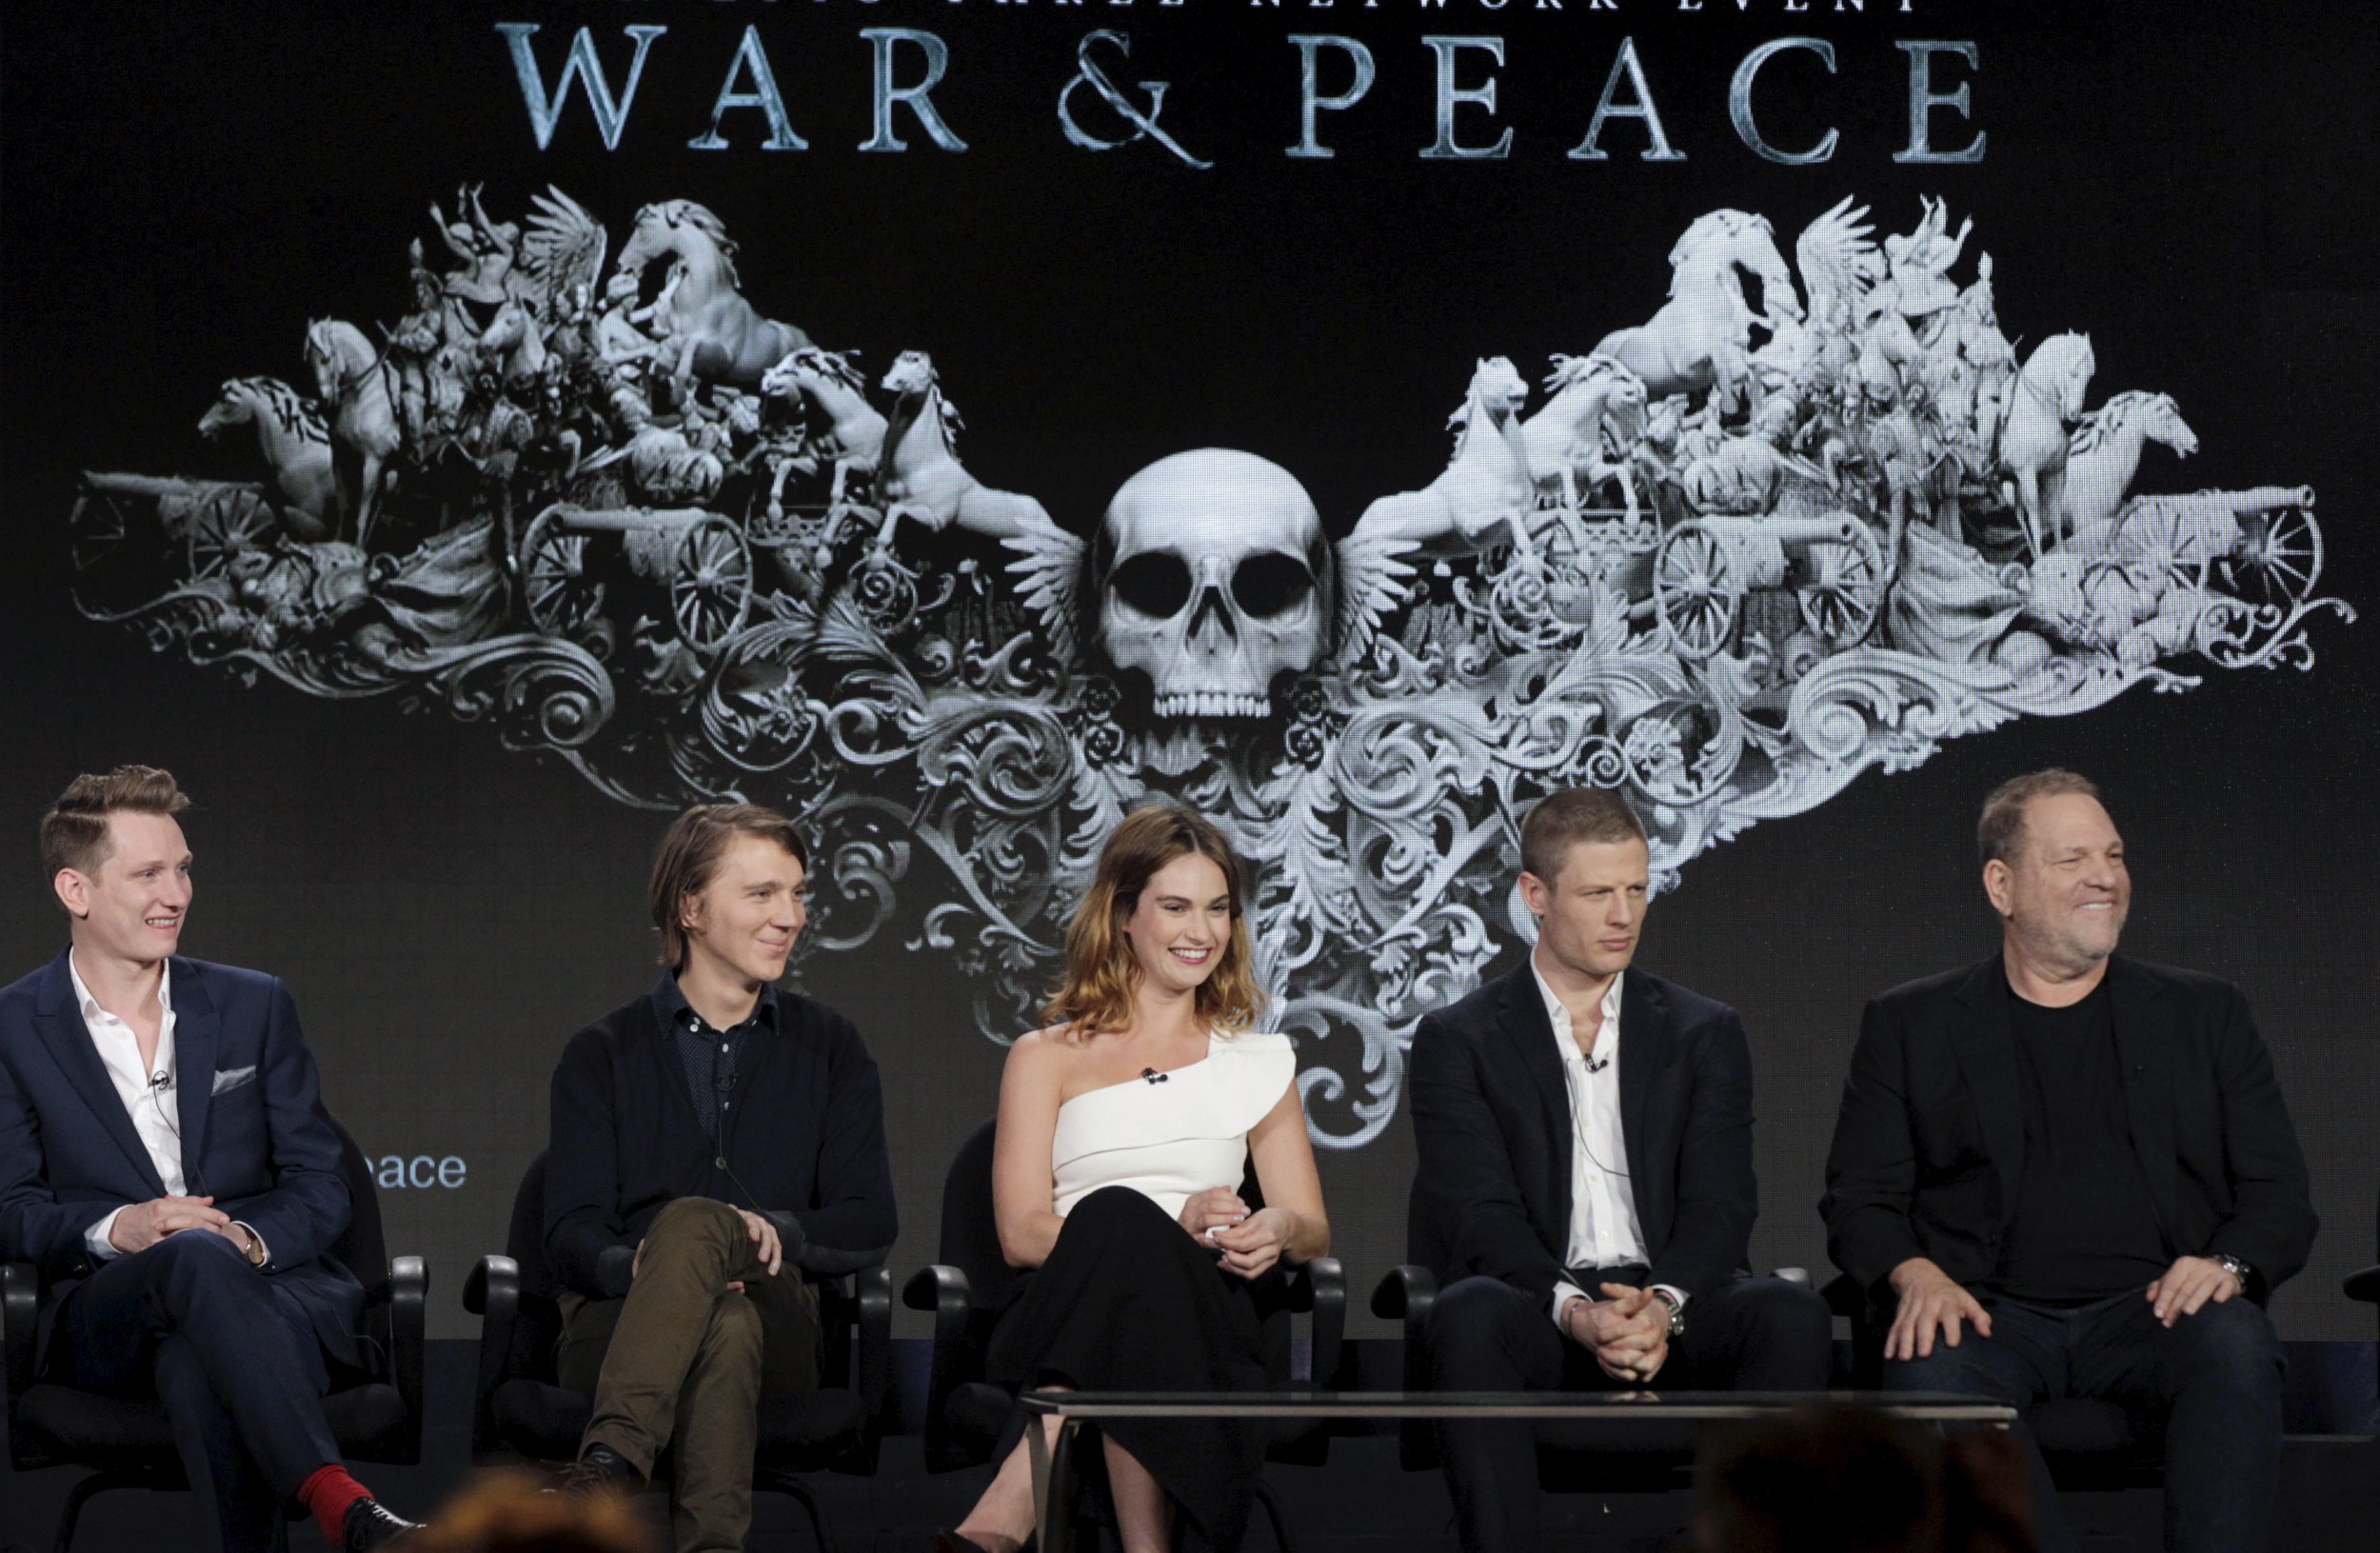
<point x="1124" y="1129"/>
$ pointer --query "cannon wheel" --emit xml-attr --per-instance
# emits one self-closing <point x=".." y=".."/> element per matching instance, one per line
<point x="562" y="598"/>
<point x="2164" y="536"/>
<point x="225" y="524"/>
<point x="1842" y="586"/>
<point x="711" y="591"/>
<point x="1696" y="590"/>
<point x="97" y="528"/>
<point x="2279" y="556"/>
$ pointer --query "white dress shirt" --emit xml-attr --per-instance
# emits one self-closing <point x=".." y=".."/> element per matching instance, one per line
<point x="1603" y="1228"/>
<point x="156" y="1107"/>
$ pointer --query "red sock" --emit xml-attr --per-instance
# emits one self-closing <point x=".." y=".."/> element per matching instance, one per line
<point x="327" y="1493"/>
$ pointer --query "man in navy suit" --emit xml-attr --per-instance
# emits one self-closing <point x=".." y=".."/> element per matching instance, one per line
<point x="1584" y="1183"/>
<point x="166" y="1162"/>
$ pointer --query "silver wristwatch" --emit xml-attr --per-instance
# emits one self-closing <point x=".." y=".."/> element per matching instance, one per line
<point x="1677" y="1313"/>
<point x="2237" y="1268"/>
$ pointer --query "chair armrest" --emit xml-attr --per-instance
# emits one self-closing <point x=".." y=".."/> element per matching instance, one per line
<point x="2362" y="1285"/>
<point x="492" y="1293"/>
<point x="1406" y="1294"/>
<point x="943" y="1290"/>
<point x="408" y="1316"/>
<point x="872" y="1288"/>
<point x="1321" y="1288"/>
<point x="20" y="1317"/>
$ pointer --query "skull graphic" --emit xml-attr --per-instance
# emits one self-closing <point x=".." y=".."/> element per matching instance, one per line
<point x="1214" y="576"/>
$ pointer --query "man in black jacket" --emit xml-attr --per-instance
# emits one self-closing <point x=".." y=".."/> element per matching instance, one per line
<point x="678" y="1229"/>
<point x="2087" y="1161"/>
<point x="1585" y="1183"/>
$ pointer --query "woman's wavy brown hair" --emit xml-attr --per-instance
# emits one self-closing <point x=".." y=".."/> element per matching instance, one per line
<point x="1102" y="973"/>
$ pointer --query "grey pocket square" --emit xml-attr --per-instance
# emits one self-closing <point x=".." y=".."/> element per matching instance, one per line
<point x="232" y="1078"/>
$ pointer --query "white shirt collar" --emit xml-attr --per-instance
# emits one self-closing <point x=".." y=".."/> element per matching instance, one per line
<point x="89" y="1006"/>
<point x="1559" y="1015"/>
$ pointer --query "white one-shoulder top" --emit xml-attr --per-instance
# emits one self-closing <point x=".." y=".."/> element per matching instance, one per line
<point x="1173" y="1139"/>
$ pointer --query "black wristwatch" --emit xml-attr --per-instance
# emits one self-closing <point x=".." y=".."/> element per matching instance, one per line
<point x="1677" y="1313"/>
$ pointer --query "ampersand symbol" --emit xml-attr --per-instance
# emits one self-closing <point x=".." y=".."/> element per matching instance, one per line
<point x="1088" y="73"/>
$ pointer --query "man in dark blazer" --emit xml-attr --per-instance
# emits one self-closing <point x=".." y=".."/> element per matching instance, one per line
<point x="166" y="1162"/>
<point x="1585" y="1184"/>
<point x="2068" y="1174"/>
<point x="712" y="1141"/>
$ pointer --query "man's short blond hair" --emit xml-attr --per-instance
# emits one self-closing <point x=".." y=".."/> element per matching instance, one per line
<point x="74" y="833"/>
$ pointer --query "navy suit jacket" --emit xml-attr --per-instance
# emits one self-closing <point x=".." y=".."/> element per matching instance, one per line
<point x="1492" y="1130"/>
<point x="254" y="1134"/>
<point x="1929" y="1145"/>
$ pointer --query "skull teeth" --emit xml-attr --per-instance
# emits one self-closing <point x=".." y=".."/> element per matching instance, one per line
<point x="1214" y="704"/>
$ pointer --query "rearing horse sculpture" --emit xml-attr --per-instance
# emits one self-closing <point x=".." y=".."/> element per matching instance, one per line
<point x="359" y="385"/>
<point x="708" y="328"/>
<point x="921" y="479"/>
<point x="1485" y="492"/>
<point x="1701" y="338"/>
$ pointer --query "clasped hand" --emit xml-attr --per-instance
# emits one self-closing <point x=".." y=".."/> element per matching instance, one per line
<point x="1250" y="1242"/>
<point x="1627" y="1331"/>
<point x="143" y="1225"/>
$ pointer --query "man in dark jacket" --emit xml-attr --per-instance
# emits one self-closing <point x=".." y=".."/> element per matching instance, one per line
<point x="680" y="1228"/>
<point x="2069" y="1173"/>
<point x="1584" y="1183"/>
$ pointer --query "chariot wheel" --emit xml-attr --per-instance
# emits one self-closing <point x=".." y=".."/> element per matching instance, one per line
<point x="2278" y="558"/>
<point x="710" y="591"/>
<point x="1696" y="588"/>
<point x="562" y="600"/>
<point x="225" y="524"/>
<point x="1842" y="586"/>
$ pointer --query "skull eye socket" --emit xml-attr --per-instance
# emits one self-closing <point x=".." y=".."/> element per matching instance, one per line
<point x="1155" y="583"/>
<point x="1266" y="587"/>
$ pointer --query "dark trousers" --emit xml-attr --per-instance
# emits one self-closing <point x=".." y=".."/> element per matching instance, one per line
<point x="684" y="1361"/>
<point x="1754" y="1334"/>
<point x="2216" y="1376"/>
<point x="236" y="1366"/>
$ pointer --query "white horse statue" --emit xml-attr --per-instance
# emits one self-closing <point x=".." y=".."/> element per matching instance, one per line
<point x="1564" y="442"/>
<point x="358" y="382"/>
<point x="854" y="437"/>
<point x="1701" y="337"/>
<point x="921" y="478"/>
<point x="2103" y="455"/>
<point x="707" y="327"/>
<point x="296" y="445"/>
<point x="2033" y="446"/>
<point x="1486" y="490"/>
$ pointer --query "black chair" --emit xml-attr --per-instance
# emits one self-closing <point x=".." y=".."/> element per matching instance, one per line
<point x="126" y="1444"/>
<point x="2088" y="1444"/>
<point x="520" y="1413"/>
<point x="972" y="1284"/>
<point x="1574" y="1455"/>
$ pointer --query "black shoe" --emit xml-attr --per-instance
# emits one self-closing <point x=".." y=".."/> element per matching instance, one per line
<point x="369" y="1523"/>
<point x="598" y="1469"/>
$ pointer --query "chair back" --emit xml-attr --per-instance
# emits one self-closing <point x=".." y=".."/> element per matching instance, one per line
<point x="970" y="1233"/>
<point x="1425" y="1242"/>
<point x="536" y="1332"/>
<point x="361" y="1248"/>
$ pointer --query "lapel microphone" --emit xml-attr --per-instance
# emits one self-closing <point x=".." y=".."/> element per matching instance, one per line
<point x="1597" y="1064"/>
<point x="1154" y="1076"/>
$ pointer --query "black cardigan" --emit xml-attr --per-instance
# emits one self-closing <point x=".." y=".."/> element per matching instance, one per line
<point x="805" y="1145"/>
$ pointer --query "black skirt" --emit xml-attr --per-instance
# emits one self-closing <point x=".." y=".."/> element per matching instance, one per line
<point x="1128" y="1301"/>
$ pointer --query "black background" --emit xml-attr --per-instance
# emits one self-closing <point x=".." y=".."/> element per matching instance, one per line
<point x="182" y="188"/>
